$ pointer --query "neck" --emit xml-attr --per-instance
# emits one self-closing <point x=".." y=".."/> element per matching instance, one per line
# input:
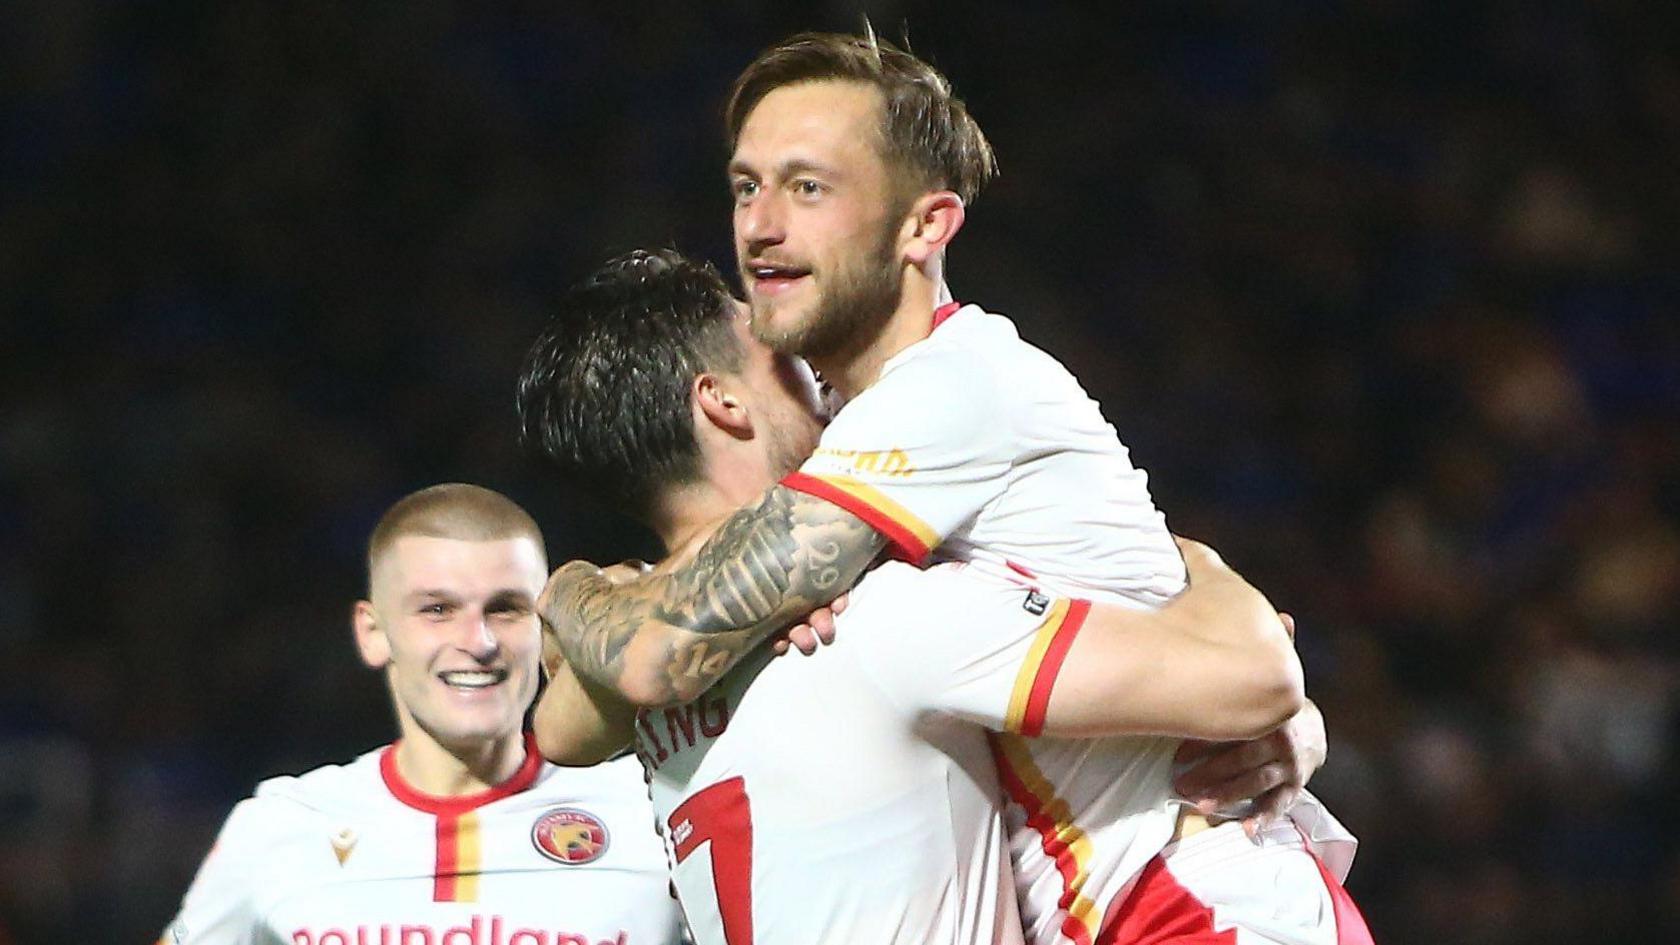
<point x="434" y="769"/>
<point x="690" y="515"/>
<point x="852" y="373"/>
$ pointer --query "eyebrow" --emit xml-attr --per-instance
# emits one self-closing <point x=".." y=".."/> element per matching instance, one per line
<point x="510" y="596"/>
<point x="789" y="168"/>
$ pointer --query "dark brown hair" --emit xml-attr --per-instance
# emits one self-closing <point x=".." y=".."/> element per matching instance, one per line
<point x="927" y="134"/>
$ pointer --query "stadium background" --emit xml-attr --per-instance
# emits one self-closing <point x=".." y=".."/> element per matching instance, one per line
<point x="1382" y="293"/>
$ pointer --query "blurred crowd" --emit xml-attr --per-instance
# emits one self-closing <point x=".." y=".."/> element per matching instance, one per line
<point x="1383" y="293"/>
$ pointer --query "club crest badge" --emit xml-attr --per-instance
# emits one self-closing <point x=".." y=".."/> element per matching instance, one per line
<point x="570" y="836"/>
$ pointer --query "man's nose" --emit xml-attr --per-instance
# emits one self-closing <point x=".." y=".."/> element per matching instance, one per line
<point x="761" y="222"/>
<point x="479" y="639"/>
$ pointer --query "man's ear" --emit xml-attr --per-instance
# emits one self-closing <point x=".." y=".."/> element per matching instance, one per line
<point x="721" y="407"/>
<point x="933" y="222"/>
<point x="371" y="642"/>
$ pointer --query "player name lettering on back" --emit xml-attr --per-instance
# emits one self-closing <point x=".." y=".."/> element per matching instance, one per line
<point x="479" y="930"/>
<point x="661" y="733"/>
<point x="893" y="462"/>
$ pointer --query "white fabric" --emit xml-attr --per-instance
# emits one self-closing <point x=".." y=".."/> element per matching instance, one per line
<point x="870" y="791"/>
<point x="276" y="875"/>
<point x="988" y="448"/>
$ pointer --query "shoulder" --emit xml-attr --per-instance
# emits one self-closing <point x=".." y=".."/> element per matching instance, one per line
<point x="615" y="790"/>
<point x="324" y="788"/>
<point x="616" y="779"/>
<point x="971" y="340"/>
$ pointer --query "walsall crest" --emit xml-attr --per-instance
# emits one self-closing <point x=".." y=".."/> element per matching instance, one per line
<point x="570" y="836"/>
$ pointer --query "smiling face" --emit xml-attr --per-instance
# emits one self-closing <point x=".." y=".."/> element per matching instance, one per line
<point x="816" y="218"/>
<point x="453" y="623"/>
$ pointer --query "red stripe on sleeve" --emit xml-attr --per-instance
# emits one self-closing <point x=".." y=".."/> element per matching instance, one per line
<point x="1038" y="698"/>
<point x="901" y="542"/>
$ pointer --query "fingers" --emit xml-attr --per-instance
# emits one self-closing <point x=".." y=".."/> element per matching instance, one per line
<point x="626" y="571"/>
<point x="821" y="623"/>
<point x="1268" y="807"/>
<point x="804" y="637"/>
<point x="1249" y="785"/>
<point x="838" y="605"/>
<point x="1238" y="771"/>
<point x="1194" y="749"/>
<point x="561" y="583"/>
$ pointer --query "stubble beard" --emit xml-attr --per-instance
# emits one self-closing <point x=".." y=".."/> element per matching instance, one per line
<point x="847" y="316"/>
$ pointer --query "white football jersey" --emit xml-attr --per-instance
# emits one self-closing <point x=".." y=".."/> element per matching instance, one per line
<point x="977" y="446"/>
<point x="353" y="855"/>
<point x="851" y="796"/>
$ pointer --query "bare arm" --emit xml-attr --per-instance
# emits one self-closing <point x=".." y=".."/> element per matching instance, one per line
<point x="666" y="638"/>
<point x="1217" y="662"/>
<point x="578" y="724"/>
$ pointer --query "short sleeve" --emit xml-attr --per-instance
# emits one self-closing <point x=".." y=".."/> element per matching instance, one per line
<point x="218" y="907"/>
<point x="968" y="645"/>
<point x="919" y="453"/>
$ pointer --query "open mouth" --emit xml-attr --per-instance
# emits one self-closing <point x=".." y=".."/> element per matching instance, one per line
<point x="772" y="278"/>
<point x="471" y="679"/>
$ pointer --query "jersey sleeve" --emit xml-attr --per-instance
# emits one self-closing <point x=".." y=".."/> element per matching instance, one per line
<point x="218" y="907"/>
<point x="918" y="454"/>
<point x="974" y="647"/>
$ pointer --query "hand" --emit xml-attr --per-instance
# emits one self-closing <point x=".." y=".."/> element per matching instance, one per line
<point x="816" y="630"/>
<point x="559" y="596"/>
<point x="1270" y="771"/>
<point x="554" y="594"/>
<point x="626" y="571"/>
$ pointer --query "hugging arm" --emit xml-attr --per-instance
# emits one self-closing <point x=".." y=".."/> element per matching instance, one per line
<point x="1217" y="662"/>
<point x="665" y="638"/>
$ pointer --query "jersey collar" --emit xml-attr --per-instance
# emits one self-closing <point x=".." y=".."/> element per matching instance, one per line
<point x="943" y="312"/>
<point x="455" y="806"/>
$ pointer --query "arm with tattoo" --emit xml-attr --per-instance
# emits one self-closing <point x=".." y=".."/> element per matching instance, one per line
<point x="666" y="638"/>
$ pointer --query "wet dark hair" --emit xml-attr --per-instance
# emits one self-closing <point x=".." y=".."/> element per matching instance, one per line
<point x="604" y="391"/>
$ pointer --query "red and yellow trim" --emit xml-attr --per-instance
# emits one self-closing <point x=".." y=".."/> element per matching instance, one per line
<point x="1030" y="699"/>
<point x="909" y="538"/>
<point x="459" y="858"/>
<point x="1063" y="841"/>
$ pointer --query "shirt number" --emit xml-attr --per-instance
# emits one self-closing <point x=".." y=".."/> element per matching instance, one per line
<point x="721" y="815"/>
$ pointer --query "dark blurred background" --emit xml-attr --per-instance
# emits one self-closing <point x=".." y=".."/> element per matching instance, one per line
<point x="1383" y="294"/>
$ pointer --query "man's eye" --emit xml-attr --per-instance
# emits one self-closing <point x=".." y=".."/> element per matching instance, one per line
<point x="745" y="189"/>
<point x="807" y="188"/>
<point x="436" y="610"/>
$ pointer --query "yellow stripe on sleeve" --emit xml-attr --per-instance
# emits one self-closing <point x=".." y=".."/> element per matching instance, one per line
<point x="881" y="502"/>
<point x="1028" y="673"/>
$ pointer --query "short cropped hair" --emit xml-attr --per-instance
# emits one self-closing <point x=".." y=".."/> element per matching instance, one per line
<point x="604" y="391"/>
<point x="455" y="510"/>
<point x="928" y="137"/>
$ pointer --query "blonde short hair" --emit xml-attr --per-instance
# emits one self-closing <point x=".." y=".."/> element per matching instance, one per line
<point x="455" y="510"/>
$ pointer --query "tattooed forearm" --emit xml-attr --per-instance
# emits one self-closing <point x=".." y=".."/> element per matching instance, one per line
<point x="666" y="638"/>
